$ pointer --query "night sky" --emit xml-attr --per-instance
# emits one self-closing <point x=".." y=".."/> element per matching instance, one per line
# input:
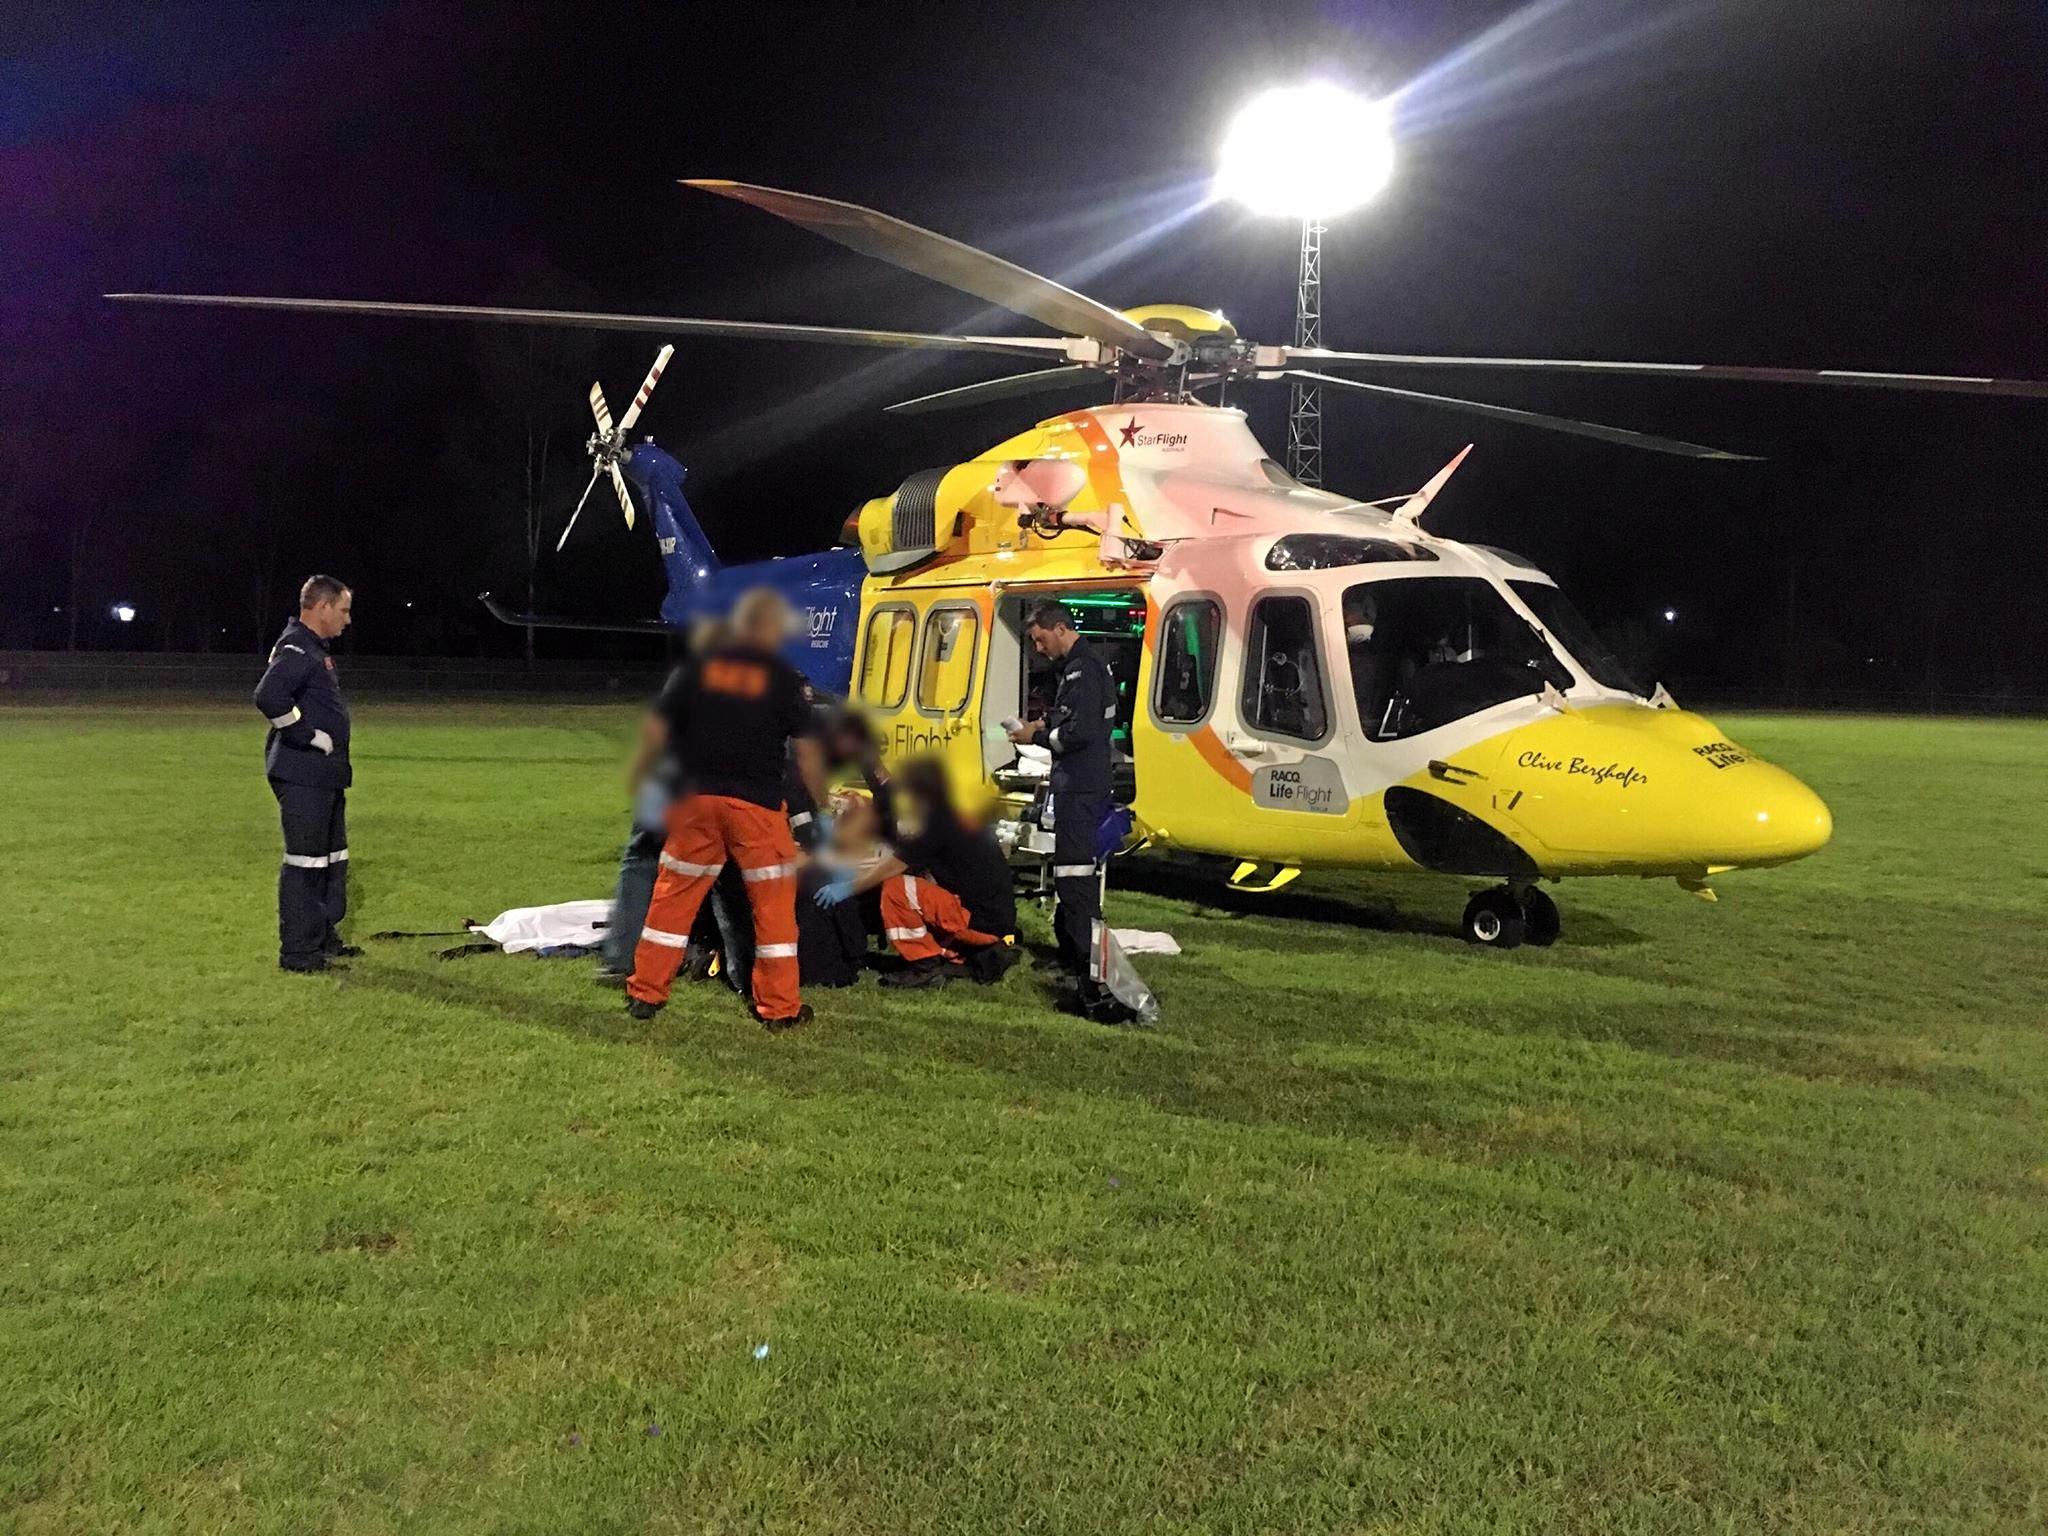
<point x="1856" y="184"/>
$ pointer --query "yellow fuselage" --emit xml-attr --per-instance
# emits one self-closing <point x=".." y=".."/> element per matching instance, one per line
<point x="1178" y="509"/>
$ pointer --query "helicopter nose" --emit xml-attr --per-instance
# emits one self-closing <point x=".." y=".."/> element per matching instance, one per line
<point x="1770" y="818"/>
<point x="1626" y="787"/>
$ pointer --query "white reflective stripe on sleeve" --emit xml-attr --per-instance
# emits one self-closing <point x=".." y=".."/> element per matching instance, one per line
<point x="665" y="940"/>
<point x="775" y="952"/>
<point x="800" y="819"/>
<point x="690" y="869"/>
<point x="1071" y="871"/>
<point x="910" y="893"/>
<point x="1109" y="713"/>
<point x="902" y="934"/>
<point x="306" y="860"/>
<point x="339" y="856"/>
<point x="281" y="721"/>
<point x="767" y="872"/>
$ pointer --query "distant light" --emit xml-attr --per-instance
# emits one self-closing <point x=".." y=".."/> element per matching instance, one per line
<point x="702" y="572"/>
<point x="1670" y="615"/>
<point x="1308" y="151"/>
<point x="55" y="609"/>
<point x="125" y="612"/>
<point x="408" y="605"/>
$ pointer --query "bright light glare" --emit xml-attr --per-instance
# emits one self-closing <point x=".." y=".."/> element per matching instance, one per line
<point x="1670" y="615"/>
<point x="125" y="612"/>
<point x="1308" y="151"/>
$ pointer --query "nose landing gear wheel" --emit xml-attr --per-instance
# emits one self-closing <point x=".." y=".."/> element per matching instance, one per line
<point x="1494" y="918"/>
<point x="1539" y="917"/>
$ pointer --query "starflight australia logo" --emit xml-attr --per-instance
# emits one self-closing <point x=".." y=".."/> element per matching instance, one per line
<point x="1132" y="434"/>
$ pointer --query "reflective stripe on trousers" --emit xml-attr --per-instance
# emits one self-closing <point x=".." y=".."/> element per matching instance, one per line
<point x="703" y="832"/>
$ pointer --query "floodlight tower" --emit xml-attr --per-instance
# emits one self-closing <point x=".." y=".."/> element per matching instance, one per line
<point x="1310" y="152"/>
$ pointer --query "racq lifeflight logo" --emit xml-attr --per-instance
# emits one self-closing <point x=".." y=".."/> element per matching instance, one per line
<point x="1132" y="434"/>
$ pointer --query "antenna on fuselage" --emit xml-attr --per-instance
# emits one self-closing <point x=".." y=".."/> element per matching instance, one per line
<point x="1411" y="510"/>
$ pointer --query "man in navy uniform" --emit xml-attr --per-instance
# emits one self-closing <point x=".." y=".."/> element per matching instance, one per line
<point x="306" y="760"/>
<point x="1076" y="731"/>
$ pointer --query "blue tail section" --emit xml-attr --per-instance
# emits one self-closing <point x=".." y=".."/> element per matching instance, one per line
<point x="657" y="480"/>
<point x="824" y="589"/>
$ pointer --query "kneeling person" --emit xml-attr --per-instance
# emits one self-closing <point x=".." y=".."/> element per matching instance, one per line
<point x="948" y="906"/>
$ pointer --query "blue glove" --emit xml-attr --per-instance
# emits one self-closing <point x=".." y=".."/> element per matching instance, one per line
<point x="821" y="826"/>
<point x="829" y="896"/>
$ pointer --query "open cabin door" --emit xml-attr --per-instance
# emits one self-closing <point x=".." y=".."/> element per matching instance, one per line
<point x="1020" y="684"/>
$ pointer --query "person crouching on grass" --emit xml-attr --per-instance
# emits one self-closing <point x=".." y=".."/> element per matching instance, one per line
<point x="731" y="718"/>
<point x="948" y="906"/>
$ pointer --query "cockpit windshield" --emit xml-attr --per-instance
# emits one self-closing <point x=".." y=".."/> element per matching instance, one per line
<point x="1426" y="652"/>
<point x="1568" y="627"/>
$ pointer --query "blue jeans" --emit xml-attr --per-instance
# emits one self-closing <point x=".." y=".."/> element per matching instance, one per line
<point x="638" y="866"/>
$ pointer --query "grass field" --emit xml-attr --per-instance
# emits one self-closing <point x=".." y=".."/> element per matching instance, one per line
<point x="1728" y="1218"/>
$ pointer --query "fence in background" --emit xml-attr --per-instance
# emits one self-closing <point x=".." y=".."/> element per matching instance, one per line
<point x="29" y="674"/>
<point x="26" y="674"/>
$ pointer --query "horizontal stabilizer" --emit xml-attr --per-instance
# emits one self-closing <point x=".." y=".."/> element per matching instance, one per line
<point x="505" y="615"/>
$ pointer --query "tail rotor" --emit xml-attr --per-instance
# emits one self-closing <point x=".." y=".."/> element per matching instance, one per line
<point x="607" y="446"/>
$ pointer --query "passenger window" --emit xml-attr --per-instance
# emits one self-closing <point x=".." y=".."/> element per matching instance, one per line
<point x="947" y="668"/>
<point x="885" y="657"/>
<point x="1283" y="679"/>
<point x="1186" y="684"/>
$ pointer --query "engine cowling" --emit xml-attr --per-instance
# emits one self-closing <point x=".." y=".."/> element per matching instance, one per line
<point x="901" y="529"/>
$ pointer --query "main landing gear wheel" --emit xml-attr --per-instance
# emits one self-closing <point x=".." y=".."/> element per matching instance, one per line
<point x="1539" y="917"/>
<point x="1494" y="918"/>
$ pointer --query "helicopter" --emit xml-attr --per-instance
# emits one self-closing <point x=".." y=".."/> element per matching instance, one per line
<point x="1305" y="680"/>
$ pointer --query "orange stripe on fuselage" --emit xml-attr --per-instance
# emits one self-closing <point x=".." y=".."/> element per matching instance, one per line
<point x="1221" y="758"/>
<point x="1105" y="473"/>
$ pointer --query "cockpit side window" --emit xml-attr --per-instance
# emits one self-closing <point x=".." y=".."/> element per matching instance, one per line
<point x="1568" y="627"/>
<point x="1424" y="653"/>
<point x="1283" y="674"/>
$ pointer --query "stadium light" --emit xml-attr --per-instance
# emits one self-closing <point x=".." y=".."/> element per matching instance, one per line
<point x="125" y="612"/>
<point x="1670" y="615"/>
<point x="1307" y="151"/>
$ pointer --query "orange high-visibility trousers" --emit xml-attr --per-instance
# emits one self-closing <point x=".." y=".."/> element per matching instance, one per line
<point x="925" y="921"/>
<point x="703" y="831"/>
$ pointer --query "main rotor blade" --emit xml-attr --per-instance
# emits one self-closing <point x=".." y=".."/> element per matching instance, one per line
<point x="564" y="539"/>
<point x="949" y="261"/>
<point x="573" y="319"/>
<point x="1009" y="387"/>
<point x="1946" y="383"/>
<point x="647" y="388"/>
<point x="600" y="410"/>
<point x="619" y="485"/>
<point x="1576" y="428"/>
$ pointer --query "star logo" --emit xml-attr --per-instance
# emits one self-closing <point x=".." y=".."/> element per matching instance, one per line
<point x="1129" y="432"/>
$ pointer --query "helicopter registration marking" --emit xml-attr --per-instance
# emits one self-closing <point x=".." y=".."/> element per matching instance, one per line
<point x="1312" y="785"/>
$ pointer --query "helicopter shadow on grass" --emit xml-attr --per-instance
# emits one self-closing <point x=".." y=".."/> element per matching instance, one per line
<point x="1205" y="891"/>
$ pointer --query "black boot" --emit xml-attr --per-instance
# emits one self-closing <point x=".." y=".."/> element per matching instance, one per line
<point x="991" y="963"/>
<point x="643" y="1011"/>
<point x="924" y="973"/>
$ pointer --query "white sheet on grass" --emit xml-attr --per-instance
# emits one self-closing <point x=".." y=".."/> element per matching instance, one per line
<point x="581" y="923"/>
